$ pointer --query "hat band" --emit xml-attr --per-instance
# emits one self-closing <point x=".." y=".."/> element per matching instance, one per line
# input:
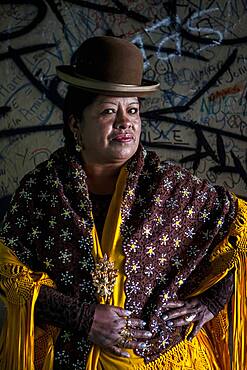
<point x="81" y="81"/>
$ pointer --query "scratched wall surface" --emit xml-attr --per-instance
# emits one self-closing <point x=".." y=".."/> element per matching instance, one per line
<point x="196" y="49"/>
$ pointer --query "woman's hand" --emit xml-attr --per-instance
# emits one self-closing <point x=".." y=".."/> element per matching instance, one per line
<point x="113" y="330"/>
<point x="181" y="313"/>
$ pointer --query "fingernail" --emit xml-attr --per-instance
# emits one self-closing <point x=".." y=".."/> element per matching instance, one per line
<point x="165" y="317"/>
<point x="126" y="354"/>
<point x="127" y="313"/>
<point x="142" y="345"/>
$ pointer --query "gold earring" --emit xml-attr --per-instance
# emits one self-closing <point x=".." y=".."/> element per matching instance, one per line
<point x="77" y="145"/>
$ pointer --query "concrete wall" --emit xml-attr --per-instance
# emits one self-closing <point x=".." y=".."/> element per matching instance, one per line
<point x="196" y="49"/>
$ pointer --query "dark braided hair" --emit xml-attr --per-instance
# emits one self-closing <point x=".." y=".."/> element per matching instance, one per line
<point x="76" y="100"/>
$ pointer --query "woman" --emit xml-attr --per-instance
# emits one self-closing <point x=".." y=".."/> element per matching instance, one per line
<point x="134" y="255"/>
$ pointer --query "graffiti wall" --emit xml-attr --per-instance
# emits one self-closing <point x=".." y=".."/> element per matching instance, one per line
<point x="196" y="49"/>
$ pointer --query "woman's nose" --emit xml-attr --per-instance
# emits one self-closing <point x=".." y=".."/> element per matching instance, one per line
<point x="122" y="120"/>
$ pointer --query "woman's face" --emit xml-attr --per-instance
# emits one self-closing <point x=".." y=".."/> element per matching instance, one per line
<point x="110" y="130"/>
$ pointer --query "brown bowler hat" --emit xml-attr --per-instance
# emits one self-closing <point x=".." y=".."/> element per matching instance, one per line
<point x="110" y="66"/>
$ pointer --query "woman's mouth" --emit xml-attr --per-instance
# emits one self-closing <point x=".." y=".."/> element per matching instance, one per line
<point x="123" y="138"/>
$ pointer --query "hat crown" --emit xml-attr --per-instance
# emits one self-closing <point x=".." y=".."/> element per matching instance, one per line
<point x="110" y="59"/>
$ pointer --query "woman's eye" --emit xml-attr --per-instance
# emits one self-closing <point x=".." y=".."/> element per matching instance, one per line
<point x="108" y="111"/>
<point x="133" y="110"/>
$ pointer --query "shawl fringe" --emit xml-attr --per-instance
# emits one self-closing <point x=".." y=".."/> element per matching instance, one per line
<point x="18" y="338"/>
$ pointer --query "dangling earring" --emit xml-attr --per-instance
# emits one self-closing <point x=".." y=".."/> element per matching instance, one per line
<point x="78" y="147"/>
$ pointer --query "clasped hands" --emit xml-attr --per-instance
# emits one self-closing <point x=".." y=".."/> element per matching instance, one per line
<point x="114" y="329"/>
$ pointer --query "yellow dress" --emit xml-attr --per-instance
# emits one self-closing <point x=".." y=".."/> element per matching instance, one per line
<point x="197" y="354"/>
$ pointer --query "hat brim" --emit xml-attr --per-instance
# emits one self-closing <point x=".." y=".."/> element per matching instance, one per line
<point x="68" y="74"/>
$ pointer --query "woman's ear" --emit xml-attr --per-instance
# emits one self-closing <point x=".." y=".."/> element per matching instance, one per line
<point x="73" y="125"/>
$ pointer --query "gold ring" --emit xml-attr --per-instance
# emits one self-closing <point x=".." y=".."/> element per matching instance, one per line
<point x="122" y="342"/>
<point x="190" y="318"/>
<point x="125" y="333"/>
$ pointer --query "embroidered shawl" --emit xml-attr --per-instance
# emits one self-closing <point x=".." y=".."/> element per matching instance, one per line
<point x="171" y="223"/>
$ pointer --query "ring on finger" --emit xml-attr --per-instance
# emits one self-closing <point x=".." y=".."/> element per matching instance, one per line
<point x="122" y="342"/>
<point x="189" y="318"/>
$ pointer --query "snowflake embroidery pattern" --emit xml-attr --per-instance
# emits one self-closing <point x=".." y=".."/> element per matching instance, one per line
<point x="192" y="251"/>
<point x="30" y="182"/>
<point x="159" y="220"/>
<point x="150" y="250"/>
<point x="196" y="179"/>
<point x="48" y="263"/>
<point x="65" y="256"/>
<point x="55" y="183"/>
<point x="66" y="214"/>
<point x="85" y="242"/>
<point x="130" y="193"/>
<point x="49" y="163"/>
<point x="164" y="341"/>
<point x="85" y="264"/>
<point x="185" y="193"/>
<point x="172" y="203"/>
<point x="148" y="289"/>
<point x="39" y="214"/>
<point x="190" y="232"/>
<point x="133" y="287"/>
<point x="179" y="175"/>
<point x="62" y="357"/>
<point x="66" y="336"/>
<point x="147" y="231"/>
<point x="204" y="215"/>
<point x="149" y="270"/>
<point x="220" y="222"/>
<point x="53" y="201"/>
<point x="35" y="232"/>
<point x="66" y="234"/>
<point x="21" y="222"/>
<point x="177" y="262"/>
<point x="67" y="278"/>
<point x="165" y="296"/>
<point x="43" y="195"/>
<point x="133" y="246"/>
<point x="164" y="239"/>
<point x="135" y="266"/>
<point x="167" y="184"/>
<point x="12" y="241"/>
<point x="162" y="259"/>
<point x="78" y="365"/>
<point x="6" y="227"/>
<point x="179" y="280"/>
<point x="49" y="242"/>
<point x="177" y="243"/>
<point x="190" y="211"/>
<point x="202" y="196"/>
<point x="157" y="200"/>
<point x="176" y="222"/>
<point x="52" y="222"/>
<point x="14" y="208"/>
<point x="26" y="195"/>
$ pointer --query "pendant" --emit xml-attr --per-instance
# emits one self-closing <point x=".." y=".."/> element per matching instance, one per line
<point x="104" y="278"/>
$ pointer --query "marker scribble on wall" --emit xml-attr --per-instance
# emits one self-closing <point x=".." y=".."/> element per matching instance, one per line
<point x="197" y="50"/>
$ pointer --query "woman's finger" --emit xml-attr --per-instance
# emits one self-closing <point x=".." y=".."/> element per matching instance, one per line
<point x="196" y="328"/>
<point x="135" y="323"/>
<point x="186" y="320"/>
<point x="183" y="312"/>
<point x="118" y="351"/>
